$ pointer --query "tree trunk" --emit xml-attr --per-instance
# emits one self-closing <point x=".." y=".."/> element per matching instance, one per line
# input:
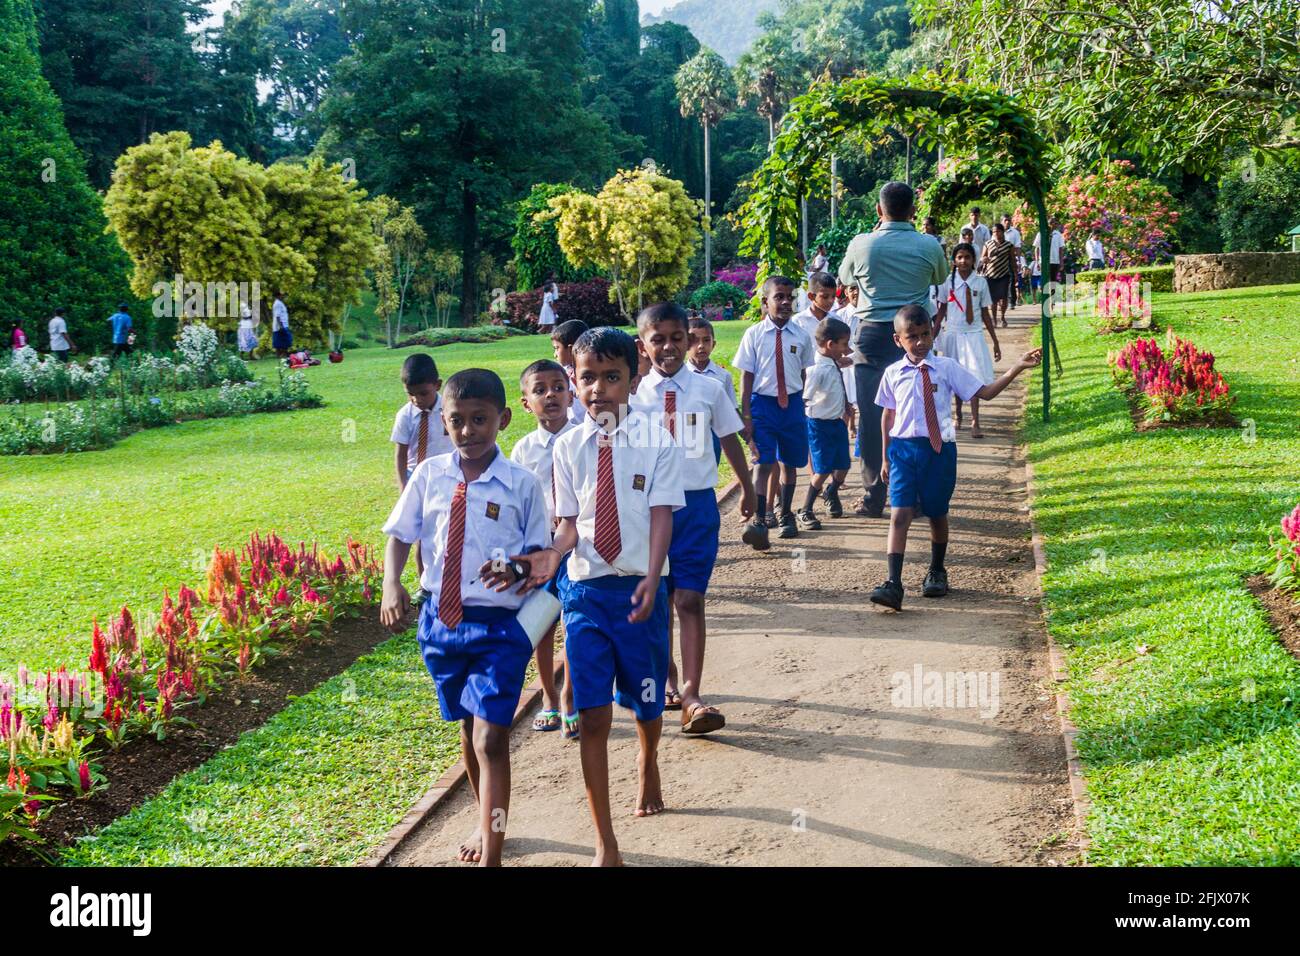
<point x="708" y="208"/>
<point x="835" y="174"/>
<point x="468" y="257"/>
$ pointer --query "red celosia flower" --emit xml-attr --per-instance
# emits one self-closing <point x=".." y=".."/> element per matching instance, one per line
<point x="98" y="650"/>
<point x="83" y="776"/>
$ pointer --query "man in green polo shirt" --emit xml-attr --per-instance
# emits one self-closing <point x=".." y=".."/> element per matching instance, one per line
<point x="892" y="266"/>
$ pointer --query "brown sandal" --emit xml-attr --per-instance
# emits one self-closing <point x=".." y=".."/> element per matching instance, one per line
<point x="703" y="719"/>
<point x="672" y="700"/>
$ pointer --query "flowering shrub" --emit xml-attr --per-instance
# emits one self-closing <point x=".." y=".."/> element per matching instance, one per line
<point x="1120" y="304"/>
<point x="588" y="301"/>
<point x="139" y="680"/>
<point x="1133" y="217"/>
<point x="719" y="293"/>
<point x="743" y="276"/>
<point x="1287" y="573"/>
<point x="1184" y="389"/>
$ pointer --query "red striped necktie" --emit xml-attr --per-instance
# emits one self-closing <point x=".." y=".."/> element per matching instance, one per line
<point x="782" y="394"/>
<point x="608" y="541"/>
<point x="450" y="608"/>
<point x="670" y="410"/>
<point x="931" y="414"/>
<point x="422" y="442"/>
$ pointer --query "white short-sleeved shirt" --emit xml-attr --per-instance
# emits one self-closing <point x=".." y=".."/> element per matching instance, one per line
<point x="406" y="431"/>
<point x="808" y="321"/>
<point x="981" y="234"/>
<point x="719" y="375"/>
<point x="279" y="316"/>
<point x="1095" y="249"/>
<point x="703" y="410"/>
<point x="901" y="388"/>
<point x="647" y="473"/>
<point x="505" y="514"/>
<point x="58" y="335"/>
<point x="953" y="292"/>
<point x="757" y="355"/>
<point x="1012" y="235"/>
<point x="1058" y="246"/>
<point x="577" y="410"/>
<point x="534" y="451"/>
<point x="825" y="393"/>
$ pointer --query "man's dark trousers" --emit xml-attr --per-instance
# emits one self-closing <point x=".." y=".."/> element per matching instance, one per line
<point x="876" y="342"/>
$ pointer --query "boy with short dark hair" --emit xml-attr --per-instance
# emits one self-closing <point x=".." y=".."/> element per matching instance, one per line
<point x="545" y="393"/>
<point x="480" y="520"/>
<point x="696" y="412"/>
<point x="772" y="356"/>
<point x="418" y="429"/>
<point x="822" y="287"/>
<point x="562" y="342"/>
<point x="617" y="483"/>
<point x="826" y="401"/>
<point x="702" y="343"/>
<point x="921" y="443"/>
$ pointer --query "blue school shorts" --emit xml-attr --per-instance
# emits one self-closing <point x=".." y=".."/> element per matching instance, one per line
<point x="780" y="433"/>
<point x="828" y="443"/>
<point x="694" y="548"/>
<point x="611" y="659"/>
<point x="558" y="583"/>
<point x="919" y="478"/>
<point x="479" y="667"/>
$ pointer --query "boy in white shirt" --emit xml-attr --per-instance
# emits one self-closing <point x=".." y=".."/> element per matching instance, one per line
<point x="921" y="444"/>
<point x="821" y="303"/>
<point x="772" y="356"/>
<point x="617" y="483"/>
<point x="702" y="343"/>
<point x="545" y="393"/>
<point x="480" y="520"/>
<point x="562" y="339"/>
<point x="60" y="340"/>
<point x="418" y="429"/>
<point x="695" y="411"/>
<point x="826" y="401"/>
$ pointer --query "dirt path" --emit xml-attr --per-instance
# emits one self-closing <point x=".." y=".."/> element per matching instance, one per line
<point x="819" y="763"/>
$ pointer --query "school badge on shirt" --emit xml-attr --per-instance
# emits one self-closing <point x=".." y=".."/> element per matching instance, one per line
<point x="638" y="482"/>
<point x="493" y="510"/>
<point x="690" y="419"/>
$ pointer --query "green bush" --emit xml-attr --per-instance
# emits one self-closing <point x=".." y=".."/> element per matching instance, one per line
<point x="836" y="238"/>
<point x="718" y="293"/>
<point x="1258" y="205"/>
<point x="1160" y="277"/>
<point x="535" y="244"/>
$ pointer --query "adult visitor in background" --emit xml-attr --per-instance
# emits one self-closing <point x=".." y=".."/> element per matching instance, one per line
<point x="123" y="337"/>
<point x="999" y="267"/>
<point x="891" y="266"/>
<point x="17" y="337"/>
<point x="281" y="336"/>
<point x="979" y="234"/>
<point x="60" y="341"/>
<point x="1013" y="236"/>
<point x="1056" y="254"/>
<point x="247" y="334"/>
<point x="547" y="319"/>
<point x="1096" y="252"/>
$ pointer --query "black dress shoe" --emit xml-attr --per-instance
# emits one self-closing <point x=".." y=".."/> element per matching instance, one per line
<point x="889" y="594"/>
<point x="755" y="535"/>
<point x="789" y="527"/>
<point x="936" y="583"/>
<point x="808" y="521"/>
<point x="833" y="505"/>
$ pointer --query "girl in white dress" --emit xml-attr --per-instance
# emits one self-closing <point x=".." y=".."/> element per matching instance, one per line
<point x="964" y="315"/>
<point x="546" y="321"/>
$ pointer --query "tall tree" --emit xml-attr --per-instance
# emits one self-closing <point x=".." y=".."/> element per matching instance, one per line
<point x="669" y="138"/>
<point x="479" y="101"/>
<point x="770" y="74"/>
<point x="1178" y="82"/>
<point x="124" y="69"/>
<point x="53" y="249"/>
<point x="706" y="89"/>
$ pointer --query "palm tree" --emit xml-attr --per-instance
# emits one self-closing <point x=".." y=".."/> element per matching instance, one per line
<point x="705" y="88"/>
<point x="770" y="73"/>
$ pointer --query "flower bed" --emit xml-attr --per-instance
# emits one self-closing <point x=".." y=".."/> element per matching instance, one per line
<point x="98" y="423"/>
<point x="1181" y="390"/>
<point x="1286" y="574"/>
<point x="198" y="362"/>
<point x="142" y="677"/>
<point x="1120" y="305"/>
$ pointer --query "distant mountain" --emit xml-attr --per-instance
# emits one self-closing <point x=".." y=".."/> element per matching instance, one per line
<point x="725" y="25"/>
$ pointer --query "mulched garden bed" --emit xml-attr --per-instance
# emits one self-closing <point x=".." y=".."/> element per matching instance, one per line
<point x="1141" y="424"/>
<point x="143" y="767"/>
<point x="1283" y="611"/>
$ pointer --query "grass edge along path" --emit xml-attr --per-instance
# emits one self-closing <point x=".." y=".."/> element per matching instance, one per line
<point x="1184" y="700"/>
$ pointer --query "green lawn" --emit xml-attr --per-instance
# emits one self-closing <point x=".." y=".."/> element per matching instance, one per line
<point x="324" y="780"/>
<point x="1191" y="748"/>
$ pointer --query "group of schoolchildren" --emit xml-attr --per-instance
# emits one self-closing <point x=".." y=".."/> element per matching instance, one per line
<point x="609" y="506"/>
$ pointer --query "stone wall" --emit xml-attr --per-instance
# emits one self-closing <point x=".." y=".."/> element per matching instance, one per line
<point x="1233" y="270"/>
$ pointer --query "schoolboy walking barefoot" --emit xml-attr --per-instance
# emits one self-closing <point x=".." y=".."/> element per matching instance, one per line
<point x="921" y="444"/>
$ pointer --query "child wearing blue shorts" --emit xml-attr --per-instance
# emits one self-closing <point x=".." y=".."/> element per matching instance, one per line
<point x="696" y="411"/>
<point x="829" y="416"/>
<point x="920" y="463"/>
<point x="479" y="520"/>
<point x="617" y="483"/>
<point x="772" y="356"/>
<point x="545" y="393"/>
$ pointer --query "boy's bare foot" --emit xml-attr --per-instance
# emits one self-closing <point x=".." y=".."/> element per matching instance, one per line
<point x="650" y="798"/>
<point x="471" y="851"/>
<point x="606" y="857"/>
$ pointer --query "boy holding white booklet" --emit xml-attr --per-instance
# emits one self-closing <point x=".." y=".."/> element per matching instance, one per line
<point x="477" y="517"/>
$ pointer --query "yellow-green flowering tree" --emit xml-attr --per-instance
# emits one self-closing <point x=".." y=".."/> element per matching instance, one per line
<point x="641" y="230"/>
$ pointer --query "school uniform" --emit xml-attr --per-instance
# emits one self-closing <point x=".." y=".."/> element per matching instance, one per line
<point x="609" y="482"/>
<point x="825" y="400"/>
<point x="281" y="336"/>
<point x="472" y="644"/>
<point x="776" y="357"/>
<point x="923" y="441"/>
<point x="422" y="432"/>
<point x="723" y="378"/>
<point x="536" y="452"/>
<point x="577" y="410"/>
<point x="962" y="337"/>
<point x="694" y="409"/>
<point x="808" y="321"/>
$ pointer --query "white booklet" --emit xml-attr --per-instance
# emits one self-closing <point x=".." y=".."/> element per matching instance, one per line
<point x="540" y="610"/>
